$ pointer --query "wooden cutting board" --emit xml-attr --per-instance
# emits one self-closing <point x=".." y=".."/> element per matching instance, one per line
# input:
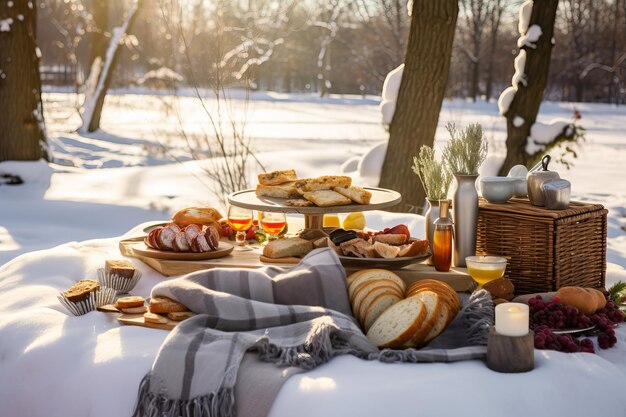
<point x="137" y="319"/>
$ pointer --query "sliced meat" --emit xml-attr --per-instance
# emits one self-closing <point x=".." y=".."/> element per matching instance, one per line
<point x="212" y="237"/>
<point x="191" y="232"/>
<point x="166" y="238"/>
<point x="180" y="242"/>
<point x="151" y="239"/>
<point x="201" y="243"/>
<point x="174" y="227"/>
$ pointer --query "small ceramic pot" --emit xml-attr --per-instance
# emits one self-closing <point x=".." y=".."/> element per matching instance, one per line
<point x="497" y="189"/>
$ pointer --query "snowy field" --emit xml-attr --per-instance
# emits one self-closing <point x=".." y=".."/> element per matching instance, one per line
<point x="107" y="183"/>
<point x="142" y="137"/>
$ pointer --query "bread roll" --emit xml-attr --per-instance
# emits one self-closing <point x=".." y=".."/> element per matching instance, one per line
<point x="578" y="297"/>
<point x="196" y="215"/>
<point x="500" y="288"/>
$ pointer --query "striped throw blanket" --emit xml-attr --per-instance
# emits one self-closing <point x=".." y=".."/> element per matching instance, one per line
<point x="296" y="319"/>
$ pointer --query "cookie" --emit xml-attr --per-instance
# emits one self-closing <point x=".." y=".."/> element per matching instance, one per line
<point x="129" y="302"/>
<point x="134" y="310"/>
<point x="81" y="290"/>
<point x="120" y="268"/>
<point x="180" y="315"/>
<point x="162" y="304"/>
<point x="154" y="318"/>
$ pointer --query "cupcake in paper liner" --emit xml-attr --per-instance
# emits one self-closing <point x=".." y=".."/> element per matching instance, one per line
<point x="78" y="308"/>
<point x="104" y="296"/>
<point x="117" y="282"/>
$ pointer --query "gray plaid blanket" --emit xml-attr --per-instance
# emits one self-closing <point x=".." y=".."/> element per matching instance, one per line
<point x="296" y="319"/>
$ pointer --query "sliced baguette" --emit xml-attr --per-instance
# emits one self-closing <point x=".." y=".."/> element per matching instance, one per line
<point x="369" y="290"/>
<point x="282" y="248"/>
<point x="370" y="297"/>
<point x="384" y="250"/>
<point x="433" y="284"/>
<point x="277" y="177"/>
<point x="354" y="193"/>
<point x="397" y="324"/>
<point x="372" y="274"/>
<point x="377" y="307"/>
<point x="326" y="198"/>
<point x="369" y="285"/>
<point x="286" y="190"/>
<point x="433" y="307"/>
<point x="440" y="324"/>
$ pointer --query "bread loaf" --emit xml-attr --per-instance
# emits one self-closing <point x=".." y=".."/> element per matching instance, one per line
<point x="293" y="246"/>
<point x="585" y="301"/>
<point x="397" y="324"/>
<point x="356" y="278"/>
<point x="433" y="307"/>
<point x="196" y="215"/>
<point x="376" y="307"/>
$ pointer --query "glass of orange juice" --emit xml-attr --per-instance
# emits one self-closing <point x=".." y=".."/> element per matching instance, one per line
<point x="483" y="269"/>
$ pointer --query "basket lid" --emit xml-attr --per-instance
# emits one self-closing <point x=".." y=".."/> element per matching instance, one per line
<point x="522" y="206"/>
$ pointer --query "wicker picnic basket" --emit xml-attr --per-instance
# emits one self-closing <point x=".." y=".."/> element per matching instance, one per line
<point x="546" y="249"/>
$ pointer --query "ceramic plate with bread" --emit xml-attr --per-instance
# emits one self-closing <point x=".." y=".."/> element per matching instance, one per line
<point x="324" y="191"/>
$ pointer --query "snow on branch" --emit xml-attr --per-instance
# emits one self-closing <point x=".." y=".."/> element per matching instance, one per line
<point x="519" y="76"/>
<point x="525" y="11"/>
<point x="259" y="60"/>
<point x="530" y="38"/>
<point x="505" y="100"/>
<point x="5" y="24"/>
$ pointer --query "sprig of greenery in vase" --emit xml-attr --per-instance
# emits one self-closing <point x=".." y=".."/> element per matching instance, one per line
<point x="435" y="175"/>
<point x="466" y="149"/>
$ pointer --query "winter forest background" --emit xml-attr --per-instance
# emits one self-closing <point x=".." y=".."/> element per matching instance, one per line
<point x="322" y="46"/>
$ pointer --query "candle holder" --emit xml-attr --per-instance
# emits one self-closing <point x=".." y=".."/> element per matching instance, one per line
<point x="510" y="354"/>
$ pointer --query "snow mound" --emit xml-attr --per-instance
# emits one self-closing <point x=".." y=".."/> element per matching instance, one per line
<point x="520" y="64"/>
<point x="28" y="171"/>
<point x="387" y="110"/>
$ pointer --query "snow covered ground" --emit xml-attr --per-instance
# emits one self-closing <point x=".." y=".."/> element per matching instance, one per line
<point x="142" y="134"/>
<point x="107" y="183"/>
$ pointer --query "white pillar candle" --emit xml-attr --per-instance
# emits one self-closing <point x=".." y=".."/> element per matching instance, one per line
<point x="512" y="319"/>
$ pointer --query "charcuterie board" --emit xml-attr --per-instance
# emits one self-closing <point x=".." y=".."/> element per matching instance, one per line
<point x="456" y="277"/>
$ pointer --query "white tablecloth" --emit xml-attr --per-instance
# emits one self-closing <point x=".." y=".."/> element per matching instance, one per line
<point x="54" y="364"/>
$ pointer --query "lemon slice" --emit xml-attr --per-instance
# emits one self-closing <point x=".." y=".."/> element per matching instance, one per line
<point x="331" y="220"/>
<point x="354" y="221"/>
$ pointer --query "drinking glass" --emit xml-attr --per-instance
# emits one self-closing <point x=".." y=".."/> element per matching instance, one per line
<point x="272" y="224"/>
<point x="484" y="269"/>
<point x="240" y="219"/>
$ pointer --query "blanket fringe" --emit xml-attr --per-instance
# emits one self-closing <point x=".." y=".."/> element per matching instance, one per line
<point x="217" y="404"/>
<point x="478" y="316"/>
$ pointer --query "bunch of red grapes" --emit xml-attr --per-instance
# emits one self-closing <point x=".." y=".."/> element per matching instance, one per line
<point x="546" y="316"/>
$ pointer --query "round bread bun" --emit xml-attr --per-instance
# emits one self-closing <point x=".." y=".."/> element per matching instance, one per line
<point x="578" y="297"/>
<point x="196" y="215"/>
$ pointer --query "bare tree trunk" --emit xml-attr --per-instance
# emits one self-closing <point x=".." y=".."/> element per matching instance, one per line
<point x="426" y="67"/>
<point x="22" y="130"/>
<point x="528" y="98"/>
<point x="106" y="75"/>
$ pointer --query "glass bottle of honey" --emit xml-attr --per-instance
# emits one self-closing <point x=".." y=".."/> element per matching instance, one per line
<point x="442" y="239"/>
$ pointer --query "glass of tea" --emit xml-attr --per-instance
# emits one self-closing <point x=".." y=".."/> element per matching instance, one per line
<point x="240" y="219"/>
<point x="272" y="224"/>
